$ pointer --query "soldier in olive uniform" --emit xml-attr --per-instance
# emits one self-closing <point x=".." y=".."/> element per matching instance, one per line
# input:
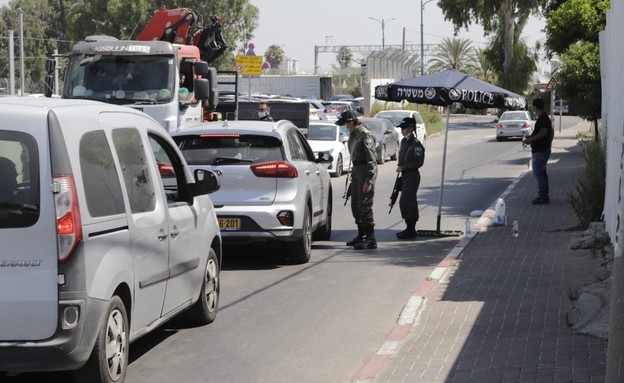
<point x="411" y="158"/>
<point x="363" y="175"/>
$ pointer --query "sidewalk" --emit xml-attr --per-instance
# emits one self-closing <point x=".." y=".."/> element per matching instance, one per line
<point x="498" y="312"/>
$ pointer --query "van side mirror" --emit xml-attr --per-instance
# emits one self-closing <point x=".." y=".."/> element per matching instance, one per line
<point x="206" y="182"/>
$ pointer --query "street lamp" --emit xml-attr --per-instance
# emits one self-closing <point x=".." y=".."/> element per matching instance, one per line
<point x="383" y="27"/>
<point x="422" y="46"/>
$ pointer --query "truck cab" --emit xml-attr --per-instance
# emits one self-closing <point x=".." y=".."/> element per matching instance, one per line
<point x="144" y="75"/>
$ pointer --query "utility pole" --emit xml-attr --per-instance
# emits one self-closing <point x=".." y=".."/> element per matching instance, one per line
<point x="21" y="42"/>
<point x="422" y="33"/>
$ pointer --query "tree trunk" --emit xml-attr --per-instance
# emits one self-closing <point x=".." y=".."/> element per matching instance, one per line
<point x="510" y="25"/>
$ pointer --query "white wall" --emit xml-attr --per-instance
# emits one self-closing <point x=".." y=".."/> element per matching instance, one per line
<point x="612" y="61"/>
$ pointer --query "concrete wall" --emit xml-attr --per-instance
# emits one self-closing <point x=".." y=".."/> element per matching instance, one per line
<point x="612" y="62"/>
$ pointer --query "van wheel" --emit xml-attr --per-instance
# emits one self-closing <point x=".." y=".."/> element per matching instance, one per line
<point x="323" y="233"/>
<point x="108" y="362"/>
<point x="300" y="250"/>
<point x="204" y="311"/>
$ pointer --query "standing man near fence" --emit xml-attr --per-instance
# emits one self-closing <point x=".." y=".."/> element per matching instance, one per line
<point x="411" y="158"/>
<point x="363" y="176"/>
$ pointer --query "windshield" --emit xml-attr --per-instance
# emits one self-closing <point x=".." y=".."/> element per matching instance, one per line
<point x="220" y="149"/>
<point x="513" y="116"/>
<point x="395" y="117"/>
<point x="375" y="126"/>
<point x="322" y="132"/>
<point x="120" y="79"/>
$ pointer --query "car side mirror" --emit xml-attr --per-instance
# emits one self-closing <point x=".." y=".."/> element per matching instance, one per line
<point x="344" y="138"/>
<point x="324" y="158"/>
<point x="206" y="182"/>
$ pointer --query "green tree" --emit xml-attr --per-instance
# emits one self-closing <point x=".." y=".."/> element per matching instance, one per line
<point x="36" y="16"/>
<point x="484" y="69"/>
<point x="453" y="53"/>
<point x="344" y="57"/>
<point x="274" y="56"/>
<point x="505" y="18"/>
<point x="517" y="78"/>
<point x="572" y="34"/>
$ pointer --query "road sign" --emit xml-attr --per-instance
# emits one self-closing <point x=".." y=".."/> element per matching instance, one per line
<point x="249" y="65"/>
<point x="551" y="83"/>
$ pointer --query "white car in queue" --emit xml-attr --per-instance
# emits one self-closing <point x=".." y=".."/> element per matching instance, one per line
<point x="273" y="188"/>
<point x="330" y="138"/>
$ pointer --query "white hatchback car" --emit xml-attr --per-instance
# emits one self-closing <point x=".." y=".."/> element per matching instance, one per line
<point x="273" y="188"/>
<point x="330" y="138"/>
<point x="397" y="116"/>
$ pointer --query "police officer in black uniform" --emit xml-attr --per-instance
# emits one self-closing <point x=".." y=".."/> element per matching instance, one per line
<point x="411" y="158"/>
<point x="363" y="175"/>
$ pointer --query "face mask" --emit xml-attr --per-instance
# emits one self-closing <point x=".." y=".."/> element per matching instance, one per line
<point x="261" y="114"/>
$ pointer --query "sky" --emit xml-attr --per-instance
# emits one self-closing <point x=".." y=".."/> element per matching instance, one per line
<point x="299" y="26"/>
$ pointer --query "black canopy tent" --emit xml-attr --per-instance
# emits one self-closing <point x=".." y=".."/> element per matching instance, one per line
<point x="443" y="89"/>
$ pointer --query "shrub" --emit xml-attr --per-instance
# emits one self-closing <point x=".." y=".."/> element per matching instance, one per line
<point x="588" y="199"/>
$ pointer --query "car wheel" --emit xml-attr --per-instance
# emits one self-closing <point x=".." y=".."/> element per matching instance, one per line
<point x="395" y="155"/>
<point x="301" y="249"/>
<point x="382" y="155"/>
<point x="204" y="311"/>
<point x="323" y="233"/>
<point x="339" y="166"/>
<point x="108" y="362"/>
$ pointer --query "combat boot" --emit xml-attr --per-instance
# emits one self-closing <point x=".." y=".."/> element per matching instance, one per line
<point x="369" y="241"/>
<point x="409" y="232"/>
<point x="359" y="238"/>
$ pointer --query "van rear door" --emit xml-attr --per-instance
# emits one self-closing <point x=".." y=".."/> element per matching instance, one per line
<point x="28" y="259"/>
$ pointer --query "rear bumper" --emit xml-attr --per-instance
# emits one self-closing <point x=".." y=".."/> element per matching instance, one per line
<point x="65" y="350"/>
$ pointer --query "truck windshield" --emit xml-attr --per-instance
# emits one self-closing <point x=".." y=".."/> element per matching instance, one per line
<point x="120" y="79"/>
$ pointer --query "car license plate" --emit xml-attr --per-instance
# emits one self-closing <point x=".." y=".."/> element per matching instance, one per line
<point x="229" y="224"/>
<point x="512" y="126"/>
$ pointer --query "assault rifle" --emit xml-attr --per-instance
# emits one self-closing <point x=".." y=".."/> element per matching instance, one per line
<point x="398" y="185"/>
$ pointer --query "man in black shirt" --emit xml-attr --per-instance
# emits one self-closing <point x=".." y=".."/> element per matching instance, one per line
<point x="540" y="141"/>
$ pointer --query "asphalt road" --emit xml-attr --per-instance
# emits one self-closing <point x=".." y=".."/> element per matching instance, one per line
<point x="319" y="322"/>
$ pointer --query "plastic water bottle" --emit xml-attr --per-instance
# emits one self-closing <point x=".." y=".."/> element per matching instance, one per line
<point x="515" y="228"/>
<point x="500" y="219"/>
<point x="468" y="228"/>
<point x="524" y="146"/>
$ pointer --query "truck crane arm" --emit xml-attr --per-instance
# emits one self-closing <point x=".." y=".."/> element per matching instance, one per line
<point x="181" y="26"/>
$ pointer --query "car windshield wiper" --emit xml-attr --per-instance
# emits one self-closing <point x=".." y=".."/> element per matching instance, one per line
<point x="18" y="209"/>
<point x="221" y="160"/>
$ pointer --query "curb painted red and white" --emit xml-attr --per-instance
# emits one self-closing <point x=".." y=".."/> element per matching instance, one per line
<point x="417" y="301"/>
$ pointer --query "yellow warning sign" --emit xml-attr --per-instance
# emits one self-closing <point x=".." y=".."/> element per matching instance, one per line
<point x="249" y="65"/>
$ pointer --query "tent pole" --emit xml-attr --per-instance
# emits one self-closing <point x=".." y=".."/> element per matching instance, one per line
<point x="448" y="108"/>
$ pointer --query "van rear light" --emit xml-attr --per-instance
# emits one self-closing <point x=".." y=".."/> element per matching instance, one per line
<point x="275" y="169"/>
<point x="68" y="224"/>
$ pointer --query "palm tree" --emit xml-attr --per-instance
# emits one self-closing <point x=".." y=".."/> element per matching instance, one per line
<point x="344" y="57"/>
<point x="484" y="69"/>
<point x="453" y="53"/>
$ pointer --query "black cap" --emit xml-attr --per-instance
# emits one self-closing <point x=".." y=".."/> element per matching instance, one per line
<point x="345" y="117"/>
<point x="408" y="122"/>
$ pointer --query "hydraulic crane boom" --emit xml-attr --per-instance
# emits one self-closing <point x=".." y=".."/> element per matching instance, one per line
<point x="183" y="26"/>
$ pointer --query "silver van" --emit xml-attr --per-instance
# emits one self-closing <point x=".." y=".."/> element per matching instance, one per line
<point x="105" y="235"/>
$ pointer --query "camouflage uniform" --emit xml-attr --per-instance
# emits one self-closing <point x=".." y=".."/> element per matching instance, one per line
<point x="364" y="160"/>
